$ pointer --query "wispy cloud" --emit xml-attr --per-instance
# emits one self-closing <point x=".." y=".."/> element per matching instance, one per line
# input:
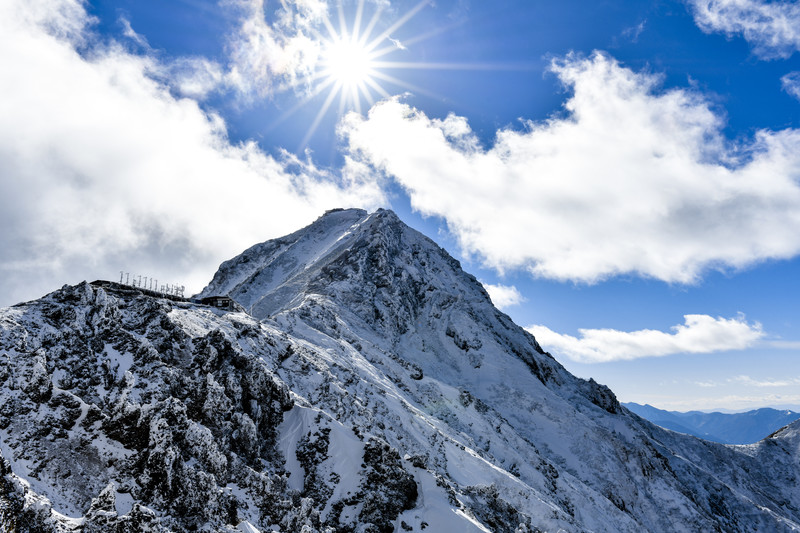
<point x="270" y="55"/>
<point x="791" y="84"/>
<point x="266" y="54"/>
<point x="192" y="76"/>
<point x="785" y="345"/>
<point x="104" y="168"/>
<point x="630" y="180"/>
<point x="698" y="334"/>
<point x="130" y="33"/>
<point x="706" y="384"/>
<point x="504" y="296"/>
<point x="397" y="44"/>
<point x="771" y="27"/>
<point x="634" y="32"/>
<point x="771" y="383"/>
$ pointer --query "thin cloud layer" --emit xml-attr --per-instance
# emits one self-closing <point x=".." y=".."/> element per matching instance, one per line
<point x="698" y="334"/>
<point x="630" y="179"/>
<point x="772" y="28"/>
<point x="504" y="296"/>
<point x="102" y="168"/>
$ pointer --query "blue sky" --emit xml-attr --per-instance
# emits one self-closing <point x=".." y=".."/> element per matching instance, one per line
<point x="623" y="176"/>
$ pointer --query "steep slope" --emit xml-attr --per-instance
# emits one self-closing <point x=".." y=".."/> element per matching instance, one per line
<point x="390" y="305"/>
<point x="373" y="387"/>
<point x="734" y="428"/>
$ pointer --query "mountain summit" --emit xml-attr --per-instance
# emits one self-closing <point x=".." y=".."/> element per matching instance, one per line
<point x="370" y="386"/>
<point x="392" y="284"/>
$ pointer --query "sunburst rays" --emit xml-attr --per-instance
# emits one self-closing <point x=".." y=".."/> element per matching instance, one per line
<point x="353" y="55"/>
<point x="353" y="61"/>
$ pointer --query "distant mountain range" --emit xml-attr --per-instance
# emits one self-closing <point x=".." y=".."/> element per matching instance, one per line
<point x="728" y="428"/>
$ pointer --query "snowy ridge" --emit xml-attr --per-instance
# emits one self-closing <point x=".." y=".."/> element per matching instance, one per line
<point x="372" y="387"/>
<point x="287" y="257"/>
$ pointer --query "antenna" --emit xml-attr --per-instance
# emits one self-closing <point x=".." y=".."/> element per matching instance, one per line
<point x="151" y="283"/>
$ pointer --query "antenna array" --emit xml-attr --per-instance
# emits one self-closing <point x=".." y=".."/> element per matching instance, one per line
<point x="151" y="284"/>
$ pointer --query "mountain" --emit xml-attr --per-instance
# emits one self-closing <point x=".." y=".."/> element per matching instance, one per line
<point x="369" y="386"/>
<point x="727" y="428"/>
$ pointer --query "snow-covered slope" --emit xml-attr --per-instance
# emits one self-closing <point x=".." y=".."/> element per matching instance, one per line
<point x="371" y="387"/>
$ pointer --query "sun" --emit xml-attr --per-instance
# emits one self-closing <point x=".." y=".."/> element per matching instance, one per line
<point x="348" y="62"/>
<point x="352" y="62"/>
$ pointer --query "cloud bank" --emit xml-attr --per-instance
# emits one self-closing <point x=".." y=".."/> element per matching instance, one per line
<point x="772" y="28"/>
<point x="103" y="168"/>
<point x="698" y="334"/>
<point x="629" y="179"/>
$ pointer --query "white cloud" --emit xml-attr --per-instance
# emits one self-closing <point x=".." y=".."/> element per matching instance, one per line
<point x="102" y="168"/>
<point x="698" y="334"/>
<point x="397" y="44"/>
<point x="504" y="296"/>
<point x="271" y="55"/>
<point x="130" y="33"/>
<point x="791" y="83"/>
<point x="629" y="180"/>
<point x="769" y="383"/>
<point x="194" y="77"/>
<point x="772" y="28"/>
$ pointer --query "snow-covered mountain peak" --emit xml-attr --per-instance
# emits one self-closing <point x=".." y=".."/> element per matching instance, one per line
<point x="379" y="279"/>
<point x="340" y="250"/>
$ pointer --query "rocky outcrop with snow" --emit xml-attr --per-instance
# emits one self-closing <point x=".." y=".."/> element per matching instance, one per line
<point x="371" y="386"/>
